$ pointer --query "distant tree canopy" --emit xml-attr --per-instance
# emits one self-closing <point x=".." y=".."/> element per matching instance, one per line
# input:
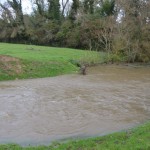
<point x="113" y="26"/>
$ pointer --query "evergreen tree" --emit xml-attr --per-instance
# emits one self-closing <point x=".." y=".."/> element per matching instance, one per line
<point x="91" y="4"/>
<point x="74" y="10"/>
<point x="54" y="9"/>
<point x="107" y="8"/>
<point x="88" y="6"/>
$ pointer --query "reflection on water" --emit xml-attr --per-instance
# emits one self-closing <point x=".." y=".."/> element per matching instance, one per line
<point x="108" y="99"/>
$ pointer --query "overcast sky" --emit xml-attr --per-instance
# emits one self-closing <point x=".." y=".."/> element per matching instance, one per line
<point x="26" y="5"/>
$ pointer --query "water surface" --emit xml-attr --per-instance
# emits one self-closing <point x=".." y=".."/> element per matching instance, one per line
<point x="108" y="99"/>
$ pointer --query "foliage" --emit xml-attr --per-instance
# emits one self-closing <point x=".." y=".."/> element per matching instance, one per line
<point x="88" y="6"/>
<point x="54" y="9"/>
<point x="132" y="34"/>
<point x="107" y="8"/>
<point x="74" y="9"/>
<point x="116" y="27"/>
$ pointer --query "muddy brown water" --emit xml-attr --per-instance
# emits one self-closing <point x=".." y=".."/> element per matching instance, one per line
<point x="108" y="99"/>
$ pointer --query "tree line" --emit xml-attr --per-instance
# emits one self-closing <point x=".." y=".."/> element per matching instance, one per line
<point x="117" y="27"/>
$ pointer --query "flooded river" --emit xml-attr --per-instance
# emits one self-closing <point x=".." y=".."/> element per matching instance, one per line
<point x="108" y="99"/>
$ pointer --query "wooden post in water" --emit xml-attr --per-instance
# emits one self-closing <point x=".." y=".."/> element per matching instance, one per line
<point x="83" y="69"/>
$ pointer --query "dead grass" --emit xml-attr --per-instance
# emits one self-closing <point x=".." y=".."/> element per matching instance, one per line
<point x="10" y="65"/>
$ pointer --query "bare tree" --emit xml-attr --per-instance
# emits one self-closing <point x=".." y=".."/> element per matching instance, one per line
<point x="64" y="5"/>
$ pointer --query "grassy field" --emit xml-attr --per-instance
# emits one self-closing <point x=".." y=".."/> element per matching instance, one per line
<point x="134" y="139"/>
<point x="29" y="61"/>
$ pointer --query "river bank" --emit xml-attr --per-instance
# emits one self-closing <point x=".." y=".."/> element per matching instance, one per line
<point x="18" y="61"/>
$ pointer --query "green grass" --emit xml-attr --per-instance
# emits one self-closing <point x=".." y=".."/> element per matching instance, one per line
<point x="134" y="139"/>
<point x="42" y="61"/>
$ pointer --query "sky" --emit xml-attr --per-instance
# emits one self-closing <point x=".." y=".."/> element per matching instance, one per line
<point x="26" y="5"/>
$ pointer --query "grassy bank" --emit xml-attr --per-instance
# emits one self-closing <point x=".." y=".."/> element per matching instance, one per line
<point x="29" y="61"/>
<point x="134" y="139"/>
